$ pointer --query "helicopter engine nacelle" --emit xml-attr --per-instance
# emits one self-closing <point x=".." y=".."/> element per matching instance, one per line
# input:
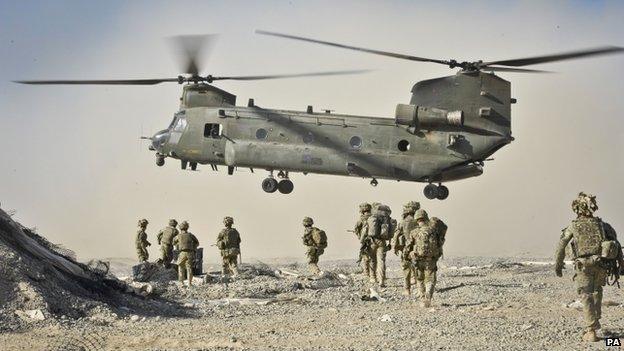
<point x="419" y="116"/>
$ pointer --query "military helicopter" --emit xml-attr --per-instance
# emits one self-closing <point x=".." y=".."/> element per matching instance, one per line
<point x="451" y="126"/>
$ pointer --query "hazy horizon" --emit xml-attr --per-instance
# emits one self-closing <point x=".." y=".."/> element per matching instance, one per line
<point x="73" y="165"/>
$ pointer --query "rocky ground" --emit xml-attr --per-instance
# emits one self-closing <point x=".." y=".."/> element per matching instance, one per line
<point x="480" y="304"/>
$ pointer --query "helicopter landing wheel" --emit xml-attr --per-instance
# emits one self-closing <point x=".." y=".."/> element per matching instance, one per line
<point x="160" y="161"/>
<point x="269" y="185"/>
<point x="374" y="182"/>
<point x="285" y="186"/>
<point x="193" y="166"/>
<point x="431" y="191"/>
<point x="443" y="192"/>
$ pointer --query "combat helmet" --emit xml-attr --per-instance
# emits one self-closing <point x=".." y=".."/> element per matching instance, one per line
<point x="307" y="221"/>
<point x="412" y="205"/>
<point x="421" y="214"/>
<point x="228" y="220"/>
<point x="584" y="205"/>
<point x="143" y="222"/>
<point x="365" y="207"/>
<point x="173" y="222"/>
<point x="184" y="225"/>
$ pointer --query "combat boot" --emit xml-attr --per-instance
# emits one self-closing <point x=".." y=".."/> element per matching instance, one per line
<point x="590" y="336"/>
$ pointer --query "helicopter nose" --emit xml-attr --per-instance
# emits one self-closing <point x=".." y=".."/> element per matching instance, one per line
<point x="159" y="139"/>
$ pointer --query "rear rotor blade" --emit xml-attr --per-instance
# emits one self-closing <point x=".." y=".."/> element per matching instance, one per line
<point x="558" y="57"/>
<point x="277" y="76"/>
<point x="99" y="82"/>
<point x="192" y="49"/>
<point x="510" y="69"/>
<point x="371" y="51"/>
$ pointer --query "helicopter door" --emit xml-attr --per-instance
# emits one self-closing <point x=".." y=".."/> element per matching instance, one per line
<point x="214" y="143"/>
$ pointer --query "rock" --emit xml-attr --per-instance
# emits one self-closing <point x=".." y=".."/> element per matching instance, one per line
<point x="525" y="327"/>
<point x="385" y="318"/>
<point x="134" y="318"/>
<point x="576" y="304"/>
<point x="36" y="315"/>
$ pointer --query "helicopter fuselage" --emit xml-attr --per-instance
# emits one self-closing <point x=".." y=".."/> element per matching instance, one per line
<point x="450" y="127"/>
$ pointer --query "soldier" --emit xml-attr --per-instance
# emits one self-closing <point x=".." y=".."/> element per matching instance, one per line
<point x="400" y="239"/>
<point x="316" y="241"/>
<point x="187" y="244"/>
<point x="165" y="240"/>
<point x="424" y="245"/>
<point x="379" y="230"/>
<point x="364" y="258"/>
<point x="228" y="242"/>
<point x="141" y="241"/>
<point x="597" y="253"/>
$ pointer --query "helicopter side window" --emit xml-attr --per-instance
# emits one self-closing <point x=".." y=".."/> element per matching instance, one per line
<point x="213" y="130"/>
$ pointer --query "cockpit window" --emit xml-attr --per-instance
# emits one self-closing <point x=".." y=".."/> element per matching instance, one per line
<point x="180" y="125"/>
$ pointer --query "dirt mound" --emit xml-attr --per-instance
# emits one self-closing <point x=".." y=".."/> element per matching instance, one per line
<point x="42" y="282"/>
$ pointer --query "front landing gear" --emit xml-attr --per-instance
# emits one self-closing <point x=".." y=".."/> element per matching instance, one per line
<point x="433" y="191"/>
<point x="271" y="185"/>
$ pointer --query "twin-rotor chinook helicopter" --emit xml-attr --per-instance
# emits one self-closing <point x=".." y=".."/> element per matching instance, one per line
<point x="450" y="127"/>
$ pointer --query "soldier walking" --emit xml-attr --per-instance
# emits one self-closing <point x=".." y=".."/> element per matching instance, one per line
<point x="597" y="254"/>
<point x="359" y="230"/>
<point x="316" y="242"/>
<point x="228" y="242"/>
<point x="165" y="240"/>
<point x="399" y="241"/>
<point x="379" y="230"/>
<point x="141" y="242"/>
<point x="425" y="248"/>
<point x="187" y="245"/>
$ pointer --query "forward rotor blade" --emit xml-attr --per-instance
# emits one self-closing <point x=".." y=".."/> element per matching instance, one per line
<point x="192" y="49"/>
<point x="278" y="76"/>
<point x="99" y="82"/>
<point x="558" y="57"/>
<point x="370" y="51"/>
<point x="510" y="69"/>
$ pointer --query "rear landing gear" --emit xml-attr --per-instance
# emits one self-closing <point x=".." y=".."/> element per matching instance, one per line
<point x="433" y="191"/>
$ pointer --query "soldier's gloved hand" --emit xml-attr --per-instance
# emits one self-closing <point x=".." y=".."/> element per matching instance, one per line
<point x="559" y="270"/>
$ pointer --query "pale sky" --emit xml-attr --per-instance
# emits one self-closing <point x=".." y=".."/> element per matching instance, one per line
<point x="72" y="164"/>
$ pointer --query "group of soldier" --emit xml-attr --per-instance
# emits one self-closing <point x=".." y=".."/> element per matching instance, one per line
<point x="228" y="242"/>
<point x="418" y="241"/>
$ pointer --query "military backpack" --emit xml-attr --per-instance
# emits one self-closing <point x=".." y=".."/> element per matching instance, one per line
<point x="588" y="236"/>
<point x="426" y="242"/>
<point x="319" y="238"/>
<point x="380" y="225"/>
<point x="186" y="242"/>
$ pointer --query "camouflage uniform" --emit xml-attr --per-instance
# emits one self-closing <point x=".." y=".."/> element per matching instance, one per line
<point x="425" y="248"/>
<point x="228" y="242"/>
<point x="587" y="234"/>
<point x="165" y="239"/>
<point x="365" y="260"/>
<point x="141" y="242"/>
<point x="187" y="244"/>
<point x="378" y="246"/>
<point x="316" y="242"/>
<point x="400" y="239"/>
